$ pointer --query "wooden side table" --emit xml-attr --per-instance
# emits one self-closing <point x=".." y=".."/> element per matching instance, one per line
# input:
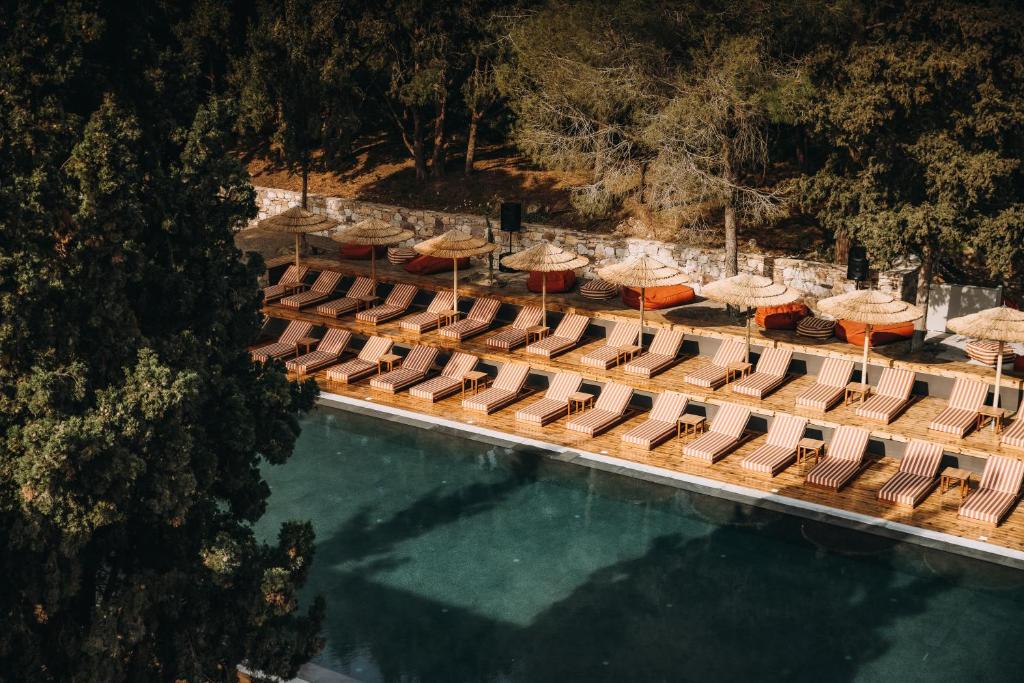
<point x="996" y="416"/>
<point x="305" y="341"/>
<point x="473" y="380"/>
<point x="536" y="333"/>
<point x="446" y="318"/>
<point x="689" y="423"/>
<point x="388" y="359"/>
<point x="809" y="448"/>
<point x="856" y="389"/>
<point x="625" y="353"/>
<point x="580" y="401"/>
<point x="951" y="476"/>
<point x="735" y="371"/>
<point x="366" y="301"/>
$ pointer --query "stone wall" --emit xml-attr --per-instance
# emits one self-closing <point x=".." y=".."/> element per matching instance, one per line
<point x="702" y="265"/>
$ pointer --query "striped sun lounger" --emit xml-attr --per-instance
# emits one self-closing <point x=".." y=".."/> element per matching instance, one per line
<point x="514" y="335"/>
<point x="663" y="352"/>
<point x="365" y="363"/>
<point x="828" y="387"/>
<point x="713" y="375"/>
<point x="476" y="321"/>
<point x="769" y="374"/>
<point x="293" y="275"/>
<point x="566" y="336"/>
<point x="779" y="449"/>
<point x="328" y="351"/>
<point x="555" y="402"/>
<point x="961" y="413"/>
<point x="917" y="476"/>
<point x="608" y="410"/>
<point x="998" y="491"/>
<point x="723" y="436"/>
<point x="622" y="334"/>
<point x="427" y="320"/>
<point x="890" y="398"/>
<point x="286" y="344"/>
<point x="324" y="285"/>
<point x="399" y="299"/>
<point x="450" y="379"/>
<point x="845" y="459"/>
<point x="507" y="387"/>
<point x="363" y="286"/>
<point x="661" y="425"/>
<point x="415" y="367"/>
<point x="1013" y="436"/>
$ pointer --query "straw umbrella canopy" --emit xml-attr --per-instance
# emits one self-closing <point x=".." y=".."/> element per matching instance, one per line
<point x="372" y="232"/>
<point x="870" y="307"/>
<point x="1000" y="324"/>
<point x="750" y="291"/>
<point x="455" y="244"/>
<point x="297" y="221"/>
<point x="545" y="258"/>
<point x="642" y="272"/>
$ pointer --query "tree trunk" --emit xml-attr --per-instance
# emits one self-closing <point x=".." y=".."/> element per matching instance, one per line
<point x="842" y="249"/>
<point x="731" y="247"/>
<point x="474" y="120"/>
<point x="598" y="155"/>
<point x="438" y="157"/>
<point x="924" y="286"/>
<point x="419" y="155"/>
<point x="305" y="181"/>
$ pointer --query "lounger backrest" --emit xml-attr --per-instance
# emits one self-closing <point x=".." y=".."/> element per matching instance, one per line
<point x="326" y="282"/>
<point x="623" y="334"/>
<point x="786" y="431"/>
<point x="374" y="348"/>
<point x="667" y="342"/>
<point x="572" y="327"/>
<point x="401" y="296"/>
<point x="562" y="385"/>
<point x="484" y="310"/>
<point x="420" y="358"/>
<point x="529" y="316"/>
<point x="669" y="406"/>
<point x="731" y="420"/>
<point x="774" y="362"/>
<point x="442" y="302"/>
<point x="335" y="341"/>
<point x="512" y="376"/>
<point x="614" y="397"/>
<point x="849" y="443"/>
<point x="730" y="351"/>
<point x="835" y="372"/>
<point x="968" y="394"/>
<point x="896" y="383"/>
<point x="1003" y="474"/>
<point x="363" y="286"/>
<point x="296" y="330"/>
<point x="293" y="274"/>
<point x="921" y="458"/>
<point x="459" y="364"/>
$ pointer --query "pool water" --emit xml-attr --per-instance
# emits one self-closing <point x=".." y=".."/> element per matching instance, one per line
<point x="446" y="559"/>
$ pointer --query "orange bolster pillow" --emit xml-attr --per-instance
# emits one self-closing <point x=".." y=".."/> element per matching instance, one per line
<point x="361" y="251"/>
<point x="784" y="317"/>
<point x="658" y="297"/>
<point x="428" y="265"/>
<point x="558" y="280"/>
<point x="852" y="332"/>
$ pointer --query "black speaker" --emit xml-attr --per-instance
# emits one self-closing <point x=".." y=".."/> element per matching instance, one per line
<point x="511" y="216"/>
<point x="857" y="265"/>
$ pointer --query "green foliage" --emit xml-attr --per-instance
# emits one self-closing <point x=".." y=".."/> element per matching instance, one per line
<point x="133" y="422"/>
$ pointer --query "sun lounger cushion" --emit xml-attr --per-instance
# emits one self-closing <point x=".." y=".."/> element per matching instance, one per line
<point x="292" y="275"/>
<point x="663" y="352"/>
<point x="770" y="372"/>
<point x="324" y="285"/>
<point x="918" y="474"/>
<point x="414" y="368"/>
<point x="285" y="344"/>
<point x="450" y="379"/>
<point x="566" y="336"/>
<point x="396" y="304"/>
<point x="785" y="317"/>
<point x="363" y="286"/>
<point x="622" y="334"/>
<point x="476" y="321"/>
<point x="1013" y="436"/>
<point x="363" y="364"/>
<point x="998" y="491"/>
<point x="853" y="333"/>
<point x="710" y="376"/>
<point x="829" y="385"/>
<point x="959" y="416"/>
<point x="609" y="409"/>
<point x="658" y="297"/>
<point x="554" y="404"/>
<point x="779" y="449"/>
<point x="327" y="351"/>
<point x="508" y="384"/>
<point x="890" y="397"/>
<point x="844" y="460"/>
<point x="598" y="290"/>
<point x="515" y="334"/>
<point x="816" y="328"/>
<point x="427" y="320"/>
<point x="661" y="425"/>
<point x="723" y="436"/>
<point x="558" y="281"/>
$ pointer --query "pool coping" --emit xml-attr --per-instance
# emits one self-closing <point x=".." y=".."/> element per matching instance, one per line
<point x="938" y="540"/>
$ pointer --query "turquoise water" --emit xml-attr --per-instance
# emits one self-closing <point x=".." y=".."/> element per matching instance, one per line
<point x="444" y="559"/>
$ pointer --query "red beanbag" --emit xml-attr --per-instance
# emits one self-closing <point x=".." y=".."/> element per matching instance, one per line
<point x="658" y="297"/>
<point x="558" y="280"/>
<point x="361" y="251"/>
<point x="852" y="332"/>
<point x="781" y="317"/>
<point x="428" y="265"/>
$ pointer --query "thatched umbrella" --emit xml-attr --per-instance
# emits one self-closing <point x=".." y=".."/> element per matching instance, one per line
<point x="870" y="307"/>
<point x="372" y="232"/>
<point x="297" y="221"/>
<point x="642" y="272"/>
<point x="455" y="244"/>
<point x="1000" y="324"/>
<point x="750" y="291"/>
<point x="545" y="258"/>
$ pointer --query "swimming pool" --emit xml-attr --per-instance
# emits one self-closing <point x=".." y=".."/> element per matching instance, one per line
<point x="446" y="559"/>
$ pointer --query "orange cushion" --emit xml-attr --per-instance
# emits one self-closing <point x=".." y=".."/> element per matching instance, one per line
<point x="1018" y="364"/>
<point x="781" y="317"/>
<point x="361" y="251"/>
<point x="558" y="280"/>
<point x="428" y="265"/>
<point x="658" y="297"/>
<point x="852" y="332"/>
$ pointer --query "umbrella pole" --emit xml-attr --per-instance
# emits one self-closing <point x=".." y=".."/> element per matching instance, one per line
<point x="864" y="371"/>
<point x="544" y="299"/>
<point x="999" y="376"/>
<point x="296" y="251"/>
<point x="455" y="286"/>
<point x="748" y="334"/>
<point x="373" y="268"/>
<point x="640" y="340"/>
